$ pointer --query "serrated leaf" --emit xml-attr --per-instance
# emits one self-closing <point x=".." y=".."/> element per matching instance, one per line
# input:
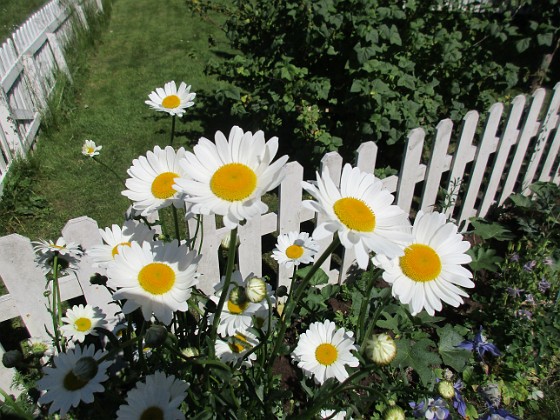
<point x="484" y="259"/>
<point x="491" y="230"/>
<point x="389" y="323"/>
<point x="452" y="356"/>
<point x="320" y="277"/>
<point x="419" y="357"/>
<point x="520" y="200"/>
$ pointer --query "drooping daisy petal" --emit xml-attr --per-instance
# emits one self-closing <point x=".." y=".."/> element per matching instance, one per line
<point x="360" y="211"/>
<point x="150" y="185"/>
<point x="233" y="349"/>
<point x="156" y="277"/>
<point x="90" y="149"/>
<point x="172" y="100"/>
<point x="80" y="321"/>
<point x="64" y="388"/>
<point x="429" y="272"/>
<point x="115" y="238"/>
<point x="60" y="247"/>
<point x="229" y="177"/>
<point x="293" y="249"/>
<point x="158" y="398"/>
<point x="324" y="351"/>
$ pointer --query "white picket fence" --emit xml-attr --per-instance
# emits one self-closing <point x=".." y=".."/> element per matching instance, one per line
<point x="28" y="62"/>
<point x="506" y="156"/>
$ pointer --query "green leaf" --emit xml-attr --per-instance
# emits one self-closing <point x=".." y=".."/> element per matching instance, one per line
<point x="523" y="44"/>
<point x="419" y="357"/>
<point x="520" y="200"/>
<point x="493" y="230"/>
<point x="449" y="337"/>
<point x="484" y="259"/>
<point x="389" y="323"/>
<point x="320" y="277"/>
<point x="545" y="39"/>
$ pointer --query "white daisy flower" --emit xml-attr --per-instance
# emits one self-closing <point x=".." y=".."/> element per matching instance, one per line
<point x="172" y="100"/>
<point x="150" y="185"/>
<point x="80" y="321"/>
<point x="361" y="212"/>
<point x="160" y="397"/>
<point x="239" y="313"/>
<point x="234" y="348"/>
<point x="229" y="177"/>
<point x="59" y="247"/>
<point x="90" y="149"/>
<point x="323" y="351"/>
<point x="115" y="238"/>
<point x="430" y="270"/>
<point x="156" y="277"/>
<point x="76" y="377"/>
<point x="332" y="415"/>
<point x="293" y="249"/>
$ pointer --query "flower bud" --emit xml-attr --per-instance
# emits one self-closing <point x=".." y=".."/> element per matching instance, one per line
<point x="85" y="369"/>
<point x="237" y="295"/>
<point x="12" y="358"/>
<point x="155" y="336"/>
<point x="446" y="390"/>
<point x="227" y="240"/>
<point x="256" y="289"/>
<point x="381" y="349"/>
<point x="190" y="352"/>
<point x="281" y="291"/>
<point x="394" y="413"/>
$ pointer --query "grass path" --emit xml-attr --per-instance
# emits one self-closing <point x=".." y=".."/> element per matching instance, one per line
<point x="146" y="44"/>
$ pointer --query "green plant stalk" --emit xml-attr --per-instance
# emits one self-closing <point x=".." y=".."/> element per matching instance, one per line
<point x="110" y="170"/>
<point x="172" y="130"/>
<point x="372" y="323"/>
<point x="364" y="309"/>
<point x="176" y="223"/>
<point x="225" y="291"/>
<point x="292" y="303"/>
<point x="21" y="413"/>
<point x="57" y="306"/>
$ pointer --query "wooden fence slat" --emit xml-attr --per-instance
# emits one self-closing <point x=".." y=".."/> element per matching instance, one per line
<point x="529" y="130"/>
<point x="411" y="169"/>
<point x="250" y="247"/>
<point x="546" y="175"/>
<point x="464" y="154"/>
<point x="209" y="263"/>
<point x="485" y="148"/>
<point x="509" y="138"/>
<point x="550" y="123"/>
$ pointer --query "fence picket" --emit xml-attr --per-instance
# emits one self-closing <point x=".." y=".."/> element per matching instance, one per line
<point x="411" y="169"/>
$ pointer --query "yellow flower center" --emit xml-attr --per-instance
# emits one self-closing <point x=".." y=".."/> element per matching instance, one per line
<point x="233" y="182"/>
<point x="236" y="309"/>
<point x="420" y="263"/>
<point x="238" y="343"/>
<point x="294" y="252"/>
<point x="156" y="278"/>
<point x="82" y="324"/>
<point x="90" y="150"/>
<point x="326" y="354"/>
<point x="162" y="186"/>
<point x="73" y="383"/>
<point x="355" y="214"/>
<point x="171" y="101"/>
<point x="152" y="413"/>
<point x="115" y="250"/>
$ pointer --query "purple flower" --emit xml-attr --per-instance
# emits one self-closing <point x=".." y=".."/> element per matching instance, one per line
<point x="514" y="257"/>
<point x="543" y="285"/>
<point x="458" y="401"/>
<point x="417" y="408"/>
<point x="548" y="261"/>
<point x="524" y="313"/>
<point x="437" y="409"/>
<point x="529" y="265"/>
<point x="514" y="291"/>
<point x="530" y="299"/>
<point x="480" y="345"/>
<point x="498" y="414"/>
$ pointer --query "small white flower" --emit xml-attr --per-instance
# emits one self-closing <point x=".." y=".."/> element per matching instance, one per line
<point x="90" y="148"/>
<point x="293" y="249"/>
<point x="172" y="100"/>
<point x="324" y="351"/>
<point x="81" y="321"/>
<point x="330" y="414"/>
<point x="381" y="348"/>
<point x="60" y="247"/>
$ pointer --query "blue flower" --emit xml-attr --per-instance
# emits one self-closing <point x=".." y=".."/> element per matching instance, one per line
<point x="543" y="285"/>
<point x="432" y="409"/>
<point x="498" y="414"/>
<point x="458" y="401"/>
<point x="480" y="345"/>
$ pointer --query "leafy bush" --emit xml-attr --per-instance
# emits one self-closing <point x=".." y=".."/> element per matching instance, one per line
<point x="331" y="74"/>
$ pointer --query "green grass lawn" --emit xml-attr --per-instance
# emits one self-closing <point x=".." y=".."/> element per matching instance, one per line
<point x="145" y="44"/>
<point x="15" y="12"/>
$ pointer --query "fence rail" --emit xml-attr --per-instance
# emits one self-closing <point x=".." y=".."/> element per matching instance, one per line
<point x="486" y="165"/>
<point x="28" y="62"/>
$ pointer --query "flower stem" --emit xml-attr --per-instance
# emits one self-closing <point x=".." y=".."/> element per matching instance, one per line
<point x="372" y="321"/>
<point x="172" y="130"/>
<point x="225" y="291"/>
<point x="110" y="170"/>
<point x="57" y="306"/>
<point x="176" y="222"/>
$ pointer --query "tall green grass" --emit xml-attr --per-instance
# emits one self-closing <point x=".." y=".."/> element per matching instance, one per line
<point x="145" y="44"/>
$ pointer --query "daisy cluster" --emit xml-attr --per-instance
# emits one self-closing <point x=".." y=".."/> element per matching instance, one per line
<point x="154" y="280"/>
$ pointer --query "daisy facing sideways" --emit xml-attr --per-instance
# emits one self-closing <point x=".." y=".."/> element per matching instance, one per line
<point x="115" y="238"/>
<point x="229" y="177"/>
<point x="76" y="377"/>
<point x="81" y="321"/>
<point x="234" y="348"/>
<point x="150" y="185"/>
<point x="360" y="212"/>
<point x="158" y="398"/>
<point x="157" y="277"/>
<point x="172" y="100"/>
<point x="324" y="351"/>
<point x="293" y="249"/>
<point x="430" y="271"/>
<point x="90" y="149"/>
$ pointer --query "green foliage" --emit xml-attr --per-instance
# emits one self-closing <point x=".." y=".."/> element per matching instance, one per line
<point x="317" y="73"/>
